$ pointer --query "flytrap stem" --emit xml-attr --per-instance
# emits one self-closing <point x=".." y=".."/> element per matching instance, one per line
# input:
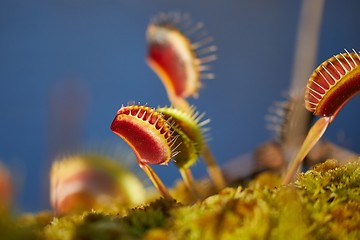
<point x="156" y="181"/>
<point x="188" y="178"/>
<point x="315" y="133"/>
<point x="180" y="103"/>
<point x="213" y="169"/>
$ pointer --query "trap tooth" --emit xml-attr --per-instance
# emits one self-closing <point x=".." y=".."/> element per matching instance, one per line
<point x="333" y="83"/>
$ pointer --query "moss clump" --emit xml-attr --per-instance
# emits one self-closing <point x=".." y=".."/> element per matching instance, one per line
<point x="223" y="216"/>
<point x="62" y="228"/>
<point x="324" y="203"/>
<point x="331" y="194"/>
<point x="104" y="226"/>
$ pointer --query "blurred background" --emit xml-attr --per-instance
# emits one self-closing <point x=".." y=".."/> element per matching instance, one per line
<point x="67" y="66"/>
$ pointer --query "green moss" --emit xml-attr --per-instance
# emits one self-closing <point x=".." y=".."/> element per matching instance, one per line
<point x="62" y="228"/>
<point x="324" y="203"/>
<point x="329" y="192"/>
<point x="156" y="215"/>
<point x="104" y="226"/>
<point x="11" y="230"/>
<point x="290" y="216"/>
<point x="223" y="216"/>
<point x="100" y="226"/>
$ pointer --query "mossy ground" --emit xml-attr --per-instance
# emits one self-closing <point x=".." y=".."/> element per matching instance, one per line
<point x="324" y="203"/>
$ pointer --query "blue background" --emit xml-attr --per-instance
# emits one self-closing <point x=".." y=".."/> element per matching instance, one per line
<point x="67" y="66"/>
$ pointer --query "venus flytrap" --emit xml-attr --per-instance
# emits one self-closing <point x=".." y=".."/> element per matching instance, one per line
<point x="329" y="88"/>
<point x="191" y="140"/>
<point x="83" y="182"/>
<point x="154" y="134"/>
<point x="178" y="52"/>
<point x="178" y="61"/>
<point x="150" y="136"/>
